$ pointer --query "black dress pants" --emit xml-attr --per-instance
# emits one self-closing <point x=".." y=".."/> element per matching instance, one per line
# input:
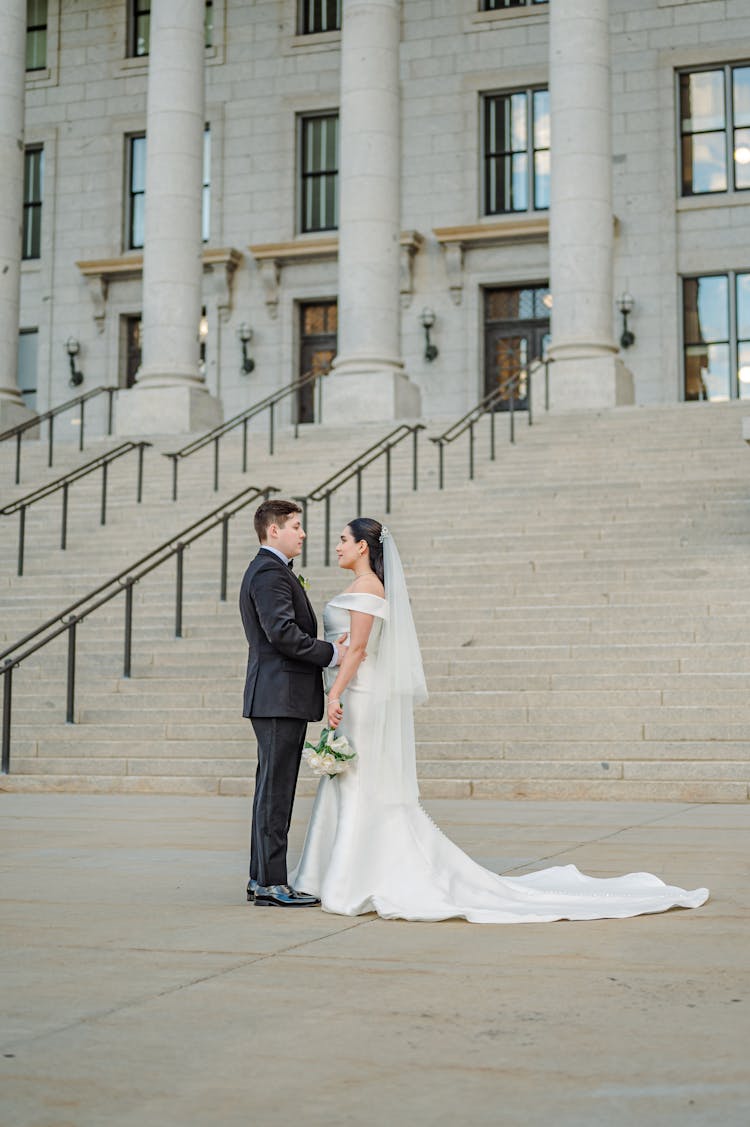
<point x="280" y="742"/>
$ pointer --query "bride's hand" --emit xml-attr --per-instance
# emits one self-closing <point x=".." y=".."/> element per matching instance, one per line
<point x="335" y="712"/>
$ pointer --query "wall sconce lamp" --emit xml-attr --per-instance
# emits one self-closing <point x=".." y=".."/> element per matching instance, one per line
<point x="625" y="304"/>
<point x="72" y="347"/>
<point x="245" y="334"/>
<point x="427" y="320"/>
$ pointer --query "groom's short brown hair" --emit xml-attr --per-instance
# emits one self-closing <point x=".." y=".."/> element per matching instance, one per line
<point x="273" y="512"/>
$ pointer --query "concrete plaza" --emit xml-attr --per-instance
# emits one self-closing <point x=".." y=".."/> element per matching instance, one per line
<point x="139" y="988"/>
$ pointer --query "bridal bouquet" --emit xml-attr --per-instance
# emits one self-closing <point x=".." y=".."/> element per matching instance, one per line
<point x="330" y="756"/>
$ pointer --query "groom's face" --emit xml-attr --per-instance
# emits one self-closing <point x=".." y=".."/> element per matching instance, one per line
<point x="288" y="537"/>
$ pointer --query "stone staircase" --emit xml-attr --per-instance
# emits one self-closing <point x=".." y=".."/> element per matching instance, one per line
<point x="583" y="607"/>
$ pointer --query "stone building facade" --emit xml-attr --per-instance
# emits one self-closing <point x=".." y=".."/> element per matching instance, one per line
<point x="322" y="176"/>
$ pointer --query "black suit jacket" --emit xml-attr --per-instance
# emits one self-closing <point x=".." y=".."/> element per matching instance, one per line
<point x="285" y="657"/>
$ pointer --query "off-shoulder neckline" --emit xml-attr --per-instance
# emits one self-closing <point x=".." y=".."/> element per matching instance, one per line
<point x="359" y="595"/>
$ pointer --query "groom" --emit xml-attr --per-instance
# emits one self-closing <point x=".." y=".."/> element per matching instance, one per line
<point x="283" y="691"/>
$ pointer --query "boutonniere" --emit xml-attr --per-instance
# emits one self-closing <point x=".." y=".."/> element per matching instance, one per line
<point x="304" y="582"/>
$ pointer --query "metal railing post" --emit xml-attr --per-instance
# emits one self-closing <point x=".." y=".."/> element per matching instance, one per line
<point x="127" y="658"/>
<point x="71" y="682"/>
<point x="7" y="699"/>
<point x="270" y="428"/>
<point x="110" y="394"/>
<point x="82" y="405"/>
<point x="18" y="458"/>
<point x="139" y="487"/>
<point x="546" y="385"/>
<point x="492" y="432"/>
<point x="359" y="490"/>
<point x="216" y="465"/>
<point x="244" y="445"/>
<point x="224" y="556"/>
<point x="103" y="514"/>
<point x="512" y="415"/>
<point x="64" y="528"/>
<point x="388" y="478"/>
<point x="414" y="464"/>
<point x="174" y="476"/>
<point x="50" y="439"/>
<point x="471" y="450"/>
<point x="327" y="533"/>
<point x="319" y="382"/>
<point x="178" y="591"/>
<point x="528" y="396"/>
<point x="441" y="460"/>
<point x="21" y="536"/>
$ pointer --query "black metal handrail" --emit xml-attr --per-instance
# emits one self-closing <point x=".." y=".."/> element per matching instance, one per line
<point x="326" y="489"/>
<point x="242" y="419"/>
<point x="20" y="429"/>
<point x="501" y="395"/>
<point x="69" y="619"/>
<point x="63" y="484"/>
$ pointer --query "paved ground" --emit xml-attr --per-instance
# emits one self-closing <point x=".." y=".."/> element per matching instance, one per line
<point x="139" y="989"/>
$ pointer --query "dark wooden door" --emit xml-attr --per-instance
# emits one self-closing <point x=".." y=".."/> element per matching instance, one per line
<point x="318" y="327"/>
<point x="516" y="334"/>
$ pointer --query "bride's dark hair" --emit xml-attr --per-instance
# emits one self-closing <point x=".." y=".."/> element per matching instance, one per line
<point x="369" y="530"/>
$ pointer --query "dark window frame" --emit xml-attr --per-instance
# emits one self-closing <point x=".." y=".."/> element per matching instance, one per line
<point x="133" y="194"/>
<point x="328" y="175"/>
<point x="729" y="130"/>
<point x="35" y="29"/>
<point x="141" y="8"/>
<point x="31" y="247"/>
<point x="507" y="5"/>
<point x="315" y="17"/>
<point x="493" y="159"/>
<point x="732" y="342"/>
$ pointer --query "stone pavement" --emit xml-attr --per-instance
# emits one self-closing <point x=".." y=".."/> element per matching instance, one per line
<point x="139" y="989"/>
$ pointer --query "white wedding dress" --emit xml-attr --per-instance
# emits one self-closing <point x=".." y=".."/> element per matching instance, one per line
<point x="370" y="847"/>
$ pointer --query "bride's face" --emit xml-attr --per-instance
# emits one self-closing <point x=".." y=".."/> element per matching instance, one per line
<point x="348" y="550"/>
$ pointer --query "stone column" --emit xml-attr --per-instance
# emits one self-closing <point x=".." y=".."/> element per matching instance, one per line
<point x="368" y="379"/>
<point x="12" y="96"/>
<point x="586" y="371"/>
<point x="170" y="395"/>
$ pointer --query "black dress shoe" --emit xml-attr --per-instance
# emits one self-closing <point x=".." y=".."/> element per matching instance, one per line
<point x="282" y="896"/>
<point x="251" y="887"/>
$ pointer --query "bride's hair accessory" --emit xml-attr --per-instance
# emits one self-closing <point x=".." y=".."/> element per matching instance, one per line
<point x="384" y="533"/>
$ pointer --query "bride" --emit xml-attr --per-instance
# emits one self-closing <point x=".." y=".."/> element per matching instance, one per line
<point x="370" y="847"/>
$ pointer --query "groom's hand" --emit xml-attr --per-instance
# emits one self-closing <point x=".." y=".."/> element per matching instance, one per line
<point x="341" y="649"/>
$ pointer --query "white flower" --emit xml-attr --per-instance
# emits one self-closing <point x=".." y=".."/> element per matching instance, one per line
<point x="340" y="743"/>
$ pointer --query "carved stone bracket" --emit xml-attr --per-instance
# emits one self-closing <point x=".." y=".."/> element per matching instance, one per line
<point x="411" y="241"/>
<point x="456" y="240"/>
<point x="218" y="275"/>
<point x="218" y="265"/>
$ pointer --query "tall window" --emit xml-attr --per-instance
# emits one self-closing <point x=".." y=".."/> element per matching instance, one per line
<point x="319" y="15"/>
<point x="715" y="130"/>
<point x="139" y="26"/>
<point x="206" y="195"/>
<point x="516" y="152"/>
<point x="36" y="34"/>
<point x="27" y="365"/>
<point x="319" y="180"/>
<point x="136" y="202"/>
<point x="498" y="5"/>
<point x="33" y="182"/>
<point x="716" y="311"/>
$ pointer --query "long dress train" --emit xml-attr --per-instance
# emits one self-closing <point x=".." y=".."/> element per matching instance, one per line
<point x="370" y="847"/>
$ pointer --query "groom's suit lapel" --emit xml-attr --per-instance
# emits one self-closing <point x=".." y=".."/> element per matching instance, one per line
<point x="262" y="553"/>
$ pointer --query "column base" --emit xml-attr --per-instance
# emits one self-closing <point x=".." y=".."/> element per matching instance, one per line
<point x="14" y="411"/>
<point x="165" y="410"/>
<point x="359" y="393"/>
<point x="589" y="382"/>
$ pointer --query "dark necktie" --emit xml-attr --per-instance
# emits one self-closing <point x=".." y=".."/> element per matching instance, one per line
<point x="290" y="565"/>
